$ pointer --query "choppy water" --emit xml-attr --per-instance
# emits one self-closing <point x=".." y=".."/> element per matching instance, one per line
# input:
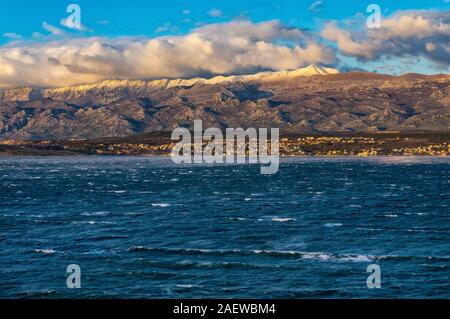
<point x="144" y="227"/>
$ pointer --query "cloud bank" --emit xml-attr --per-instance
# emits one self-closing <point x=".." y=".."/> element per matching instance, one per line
<point x="405" y="33"/>
<point x="223" y="48"/>
<point x="213" y="49"/>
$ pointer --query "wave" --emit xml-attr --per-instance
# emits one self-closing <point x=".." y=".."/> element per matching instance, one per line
<point x="237" y="218"/>
<point x="95" y="213"/>
<point x="221" y="265"/>
<point x="283" y="219"/>
<point x="160" y="205"/>
<point x="189" y="286"/>
<point x="93" y="222"/>
<point x="277" y="219"/>
<point x="333" y="225"/>
<point x="44" y="251"/>
<point x="321" y="256"/>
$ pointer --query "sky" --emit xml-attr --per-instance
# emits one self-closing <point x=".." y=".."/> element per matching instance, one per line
<point x="152" y="39"/>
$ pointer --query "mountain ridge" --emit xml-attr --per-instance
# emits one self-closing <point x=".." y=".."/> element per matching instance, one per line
<point x="28" y="93"/>
<point x="339" y="102"/>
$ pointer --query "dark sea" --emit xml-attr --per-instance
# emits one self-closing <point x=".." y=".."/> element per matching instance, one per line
<point x="148" y="228"/>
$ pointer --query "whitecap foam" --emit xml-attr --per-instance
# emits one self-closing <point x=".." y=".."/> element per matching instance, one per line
<point x="282" y="219"/>
<point x="237" y="218"/>
<point x="333" y="225"/>
<point x="44" y="251"/>
<point x="95" y="213"/>
<point x="332" y="257"/>
<point x="357" y="258"/>
<point x="185" y="286"/>
<point x="160" y="205"/>
<point x="188" y="286"/>
<point x="318" y="256"/>
<point x="93" y="222"/>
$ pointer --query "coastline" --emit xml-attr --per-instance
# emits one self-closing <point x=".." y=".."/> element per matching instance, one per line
<point x="290" y="145"/>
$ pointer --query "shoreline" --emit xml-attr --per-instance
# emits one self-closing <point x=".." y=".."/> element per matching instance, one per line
<point x="363" y="144"/>
<point x="2" y="155"/>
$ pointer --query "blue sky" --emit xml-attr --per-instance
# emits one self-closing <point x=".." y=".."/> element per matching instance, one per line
<point x="144" y="17"/>
<point x="145" y="39"/>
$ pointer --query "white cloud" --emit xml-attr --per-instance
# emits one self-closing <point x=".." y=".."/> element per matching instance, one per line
<point x="215" y="13"/>
<point x="316" y="6"/>
<point x="235" y="47"/>
<point x="52" y="29"/>
<point x="223" y="48"/>
<point x="82" y="28"/>
<point x="405" y="33"/>
<point x="167" y="27"/>
<point x="12" y="35"/>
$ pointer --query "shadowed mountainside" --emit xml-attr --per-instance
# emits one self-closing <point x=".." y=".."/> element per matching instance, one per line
<point x="350" y="102"/>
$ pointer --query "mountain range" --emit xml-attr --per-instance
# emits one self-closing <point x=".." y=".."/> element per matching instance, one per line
<point x="313" y="99"/>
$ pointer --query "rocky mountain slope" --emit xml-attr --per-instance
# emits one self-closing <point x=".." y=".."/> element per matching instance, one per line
<point x="312" y="99"/>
